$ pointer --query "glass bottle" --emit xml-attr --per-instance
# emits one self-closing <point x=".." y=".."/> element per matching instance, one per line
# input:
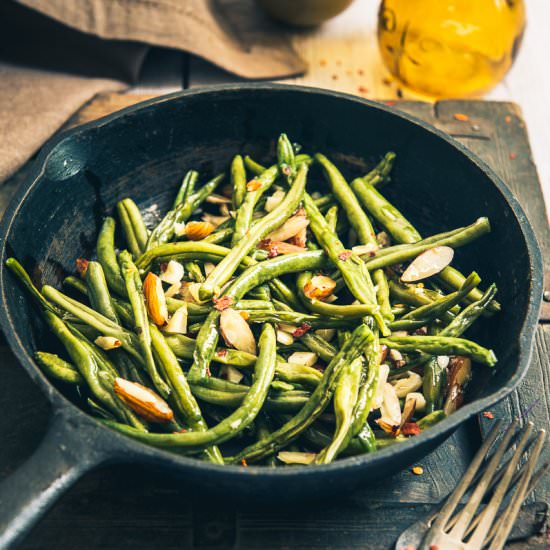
<point x="450" y="48"/>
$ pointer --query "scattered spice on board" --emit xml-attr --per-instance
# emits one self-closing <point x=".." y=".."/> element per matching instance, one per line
<point x="461" y="117"/>
<point x="399" y="93"/>
<point x="386" y="81"/>
<point x="360" y="72"/>
<point x="349" y="72"/>
<point x="334" y="77"/>
<point x="417" y="470"/>
<point x="513" y="156"/>
<point x="489" y="415"/>
<point x="323" y="62"/>
<point x="244" y="463"/>
<point x="363" y="90"/>
<point x="390" y="103"/>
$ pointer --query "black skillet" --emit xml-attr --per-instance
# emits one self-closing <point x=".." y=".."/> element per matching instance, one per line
<point x="142" y="152"/>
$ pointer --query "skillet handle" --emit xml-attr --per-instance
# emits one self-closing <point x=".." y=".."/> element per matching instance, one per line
<point x="62" y="457"/>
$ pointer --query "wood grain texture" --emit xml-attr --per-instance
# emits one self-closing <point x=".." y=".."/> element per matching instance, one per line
<point x="126" y="506"/>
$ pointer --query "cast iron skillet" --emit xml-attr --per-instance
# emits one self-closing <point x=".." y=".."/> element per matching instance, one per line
<point x="142" y="152"/>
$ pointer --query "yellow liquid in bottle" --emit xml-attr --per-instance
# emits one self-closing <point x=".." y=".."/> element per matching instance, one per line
<point x="450" y="48"/>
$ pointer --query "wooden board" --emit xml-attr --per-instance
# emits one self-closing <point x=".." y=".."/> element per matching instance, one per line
<point x="127" y="506"/>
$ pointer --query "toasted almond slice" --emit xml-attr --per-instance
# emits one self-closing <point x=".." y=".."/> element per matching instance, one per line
<point x="294" y="457"/>
<point x="291" y="329"/>
<point x="230" y="373"/>
<point x="173" y="273"/>
<point x="365" y="249"/>
<point x="107" y="342"/>
<point x="419" y="398"/>
<point x="279" y="247"/>
<point x="382" y="379"/>
<point x="319" y="286"/>
<point x="284" y="338"/>
<point x="390" y="408"/>
<point x="218" y="199"/>
<point x="173" y="290"/>
<point x="291" y="227"/>
<point x="428" y="263"/>
<point x="410" y="383"/>
<point x="236" y="331"/>
<point x="155" y="299"/>
<point x="409" y="409"/>
<point x="274" y="200"/>
<point x="305" y="358"/>
<point x="178" y="322"/>
<point x="196" y="231"/>
<point x="143" y="401"/>
<point x="300" y="239"/>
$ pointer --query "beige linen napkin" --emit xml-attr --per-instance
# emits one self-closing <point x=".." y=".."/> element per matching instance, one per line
<point x="57" y="54"/>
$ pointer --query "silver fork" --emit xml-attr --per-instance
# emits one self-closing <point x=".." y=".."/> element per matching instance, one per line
<point x="470" y="528"/>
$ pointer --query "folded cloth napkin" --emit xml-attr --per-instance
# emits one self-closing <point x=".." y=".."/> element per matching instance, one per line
<point x="57" y="54"/>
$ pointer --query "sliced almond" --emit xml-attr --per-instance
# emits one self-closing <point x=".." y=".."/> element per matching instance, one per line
<point x="274" y="200"/>
<point x="173" y="273"/>
<point x="305" y="358"/>
<point x="143" y="401"/>
<point x="173" y="290"/>
<point x="155" y="299"/>
<point x="178" y="322"/>
<point x="458" y="375"/>
<point x="179" y="229"/>
<point x="390" y="410"/>
<point x="409" y="409"/>
<point x="428" y="263"/>
<point x="382" y="379"/>
<point x="291" y="227"/>
<point x="396" y="357"/>
<point x="294" y="457"/>
<point x="236" y="331"/>
<point x="365" y="249"/>
<point x="218" y="199"/>
<point x="196" y="231"/>
<point x="419" y="399"/>
<point x="231" y="374"/>
<point x="107" y="342"/>
<point x="319" y="286"/>
<point x="290" y="329"/>
<point x="284" y="338"/>
<point x="300" y="239"/>
<point x="409" y="383"/>
<point x="279" y="247"/>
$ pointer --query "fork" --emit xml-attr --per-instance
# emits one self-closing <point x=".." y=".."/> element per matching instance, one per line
<point x="468" y="528"/>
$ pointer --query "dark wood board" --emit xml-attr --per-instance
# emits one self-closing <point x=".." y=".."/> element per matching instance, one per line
<point x="127" y="506"/>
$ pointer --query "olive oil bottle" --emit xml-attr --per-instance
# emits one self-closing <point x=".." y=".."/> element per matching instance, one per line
<point x="450" y="48"/>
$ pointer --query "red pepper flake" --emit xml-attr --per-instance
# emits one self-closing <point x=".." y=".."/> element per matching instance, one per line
<point x="363" y="90"/>
<point x="323" y="62"/>
<point x="163" y="267"/>
<point x="82" y="266"/>
<point x="417" y="470"/>
<point x="410" y="547"/>
<point x="244" y="463"/>
<point x="461" y="117"/>
<point x="301" y="330"/>
<point x="410" y="428"/>
<point x="270" y="246"/>
<point x="489" y="415"/>
<point x="513" y="156"/>
<point x="507" y="119"/>
<point x="390" y="103"/>
<point x="221" y="352"/>
<point x="253" y="185"/>
<point x="345" y="255"/>
<point x="360" y="72"/>
<point x="182" y="431"/>
<point x="334" y="77"/>
<point x="222" y="303"/>
<point x="434" y="547"/>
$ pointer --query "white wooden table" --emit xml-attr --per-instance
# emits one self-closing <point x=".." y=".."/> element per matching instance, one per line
<point x="343" y="55"/>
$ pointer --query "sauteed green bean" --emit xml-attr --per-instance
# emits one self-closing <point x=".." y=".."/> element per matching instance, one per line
<point x="274" y="319"/>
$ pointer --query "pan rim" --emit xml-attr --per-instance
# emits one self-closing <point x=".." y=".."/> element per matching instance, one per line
<point x="145" y="452"/>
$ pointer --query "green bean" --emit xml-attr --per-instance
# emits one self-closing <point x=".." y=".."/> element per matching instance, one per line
<point x="433" y="383"/>
<point x="425" y="314"/>
<point x="351" y="267"/>
<point x="238" y="181"/>
<point x="261" y="292"/>
<point x="388" y="256"/>
<point x="354" y="311"/>
<point x="431" y="420"/>
<point x="296" y="318"/>
<point x="284" y="293"/>
<point x="219" y="236"/>
<point x="59" y="368"/>
<point x="286" y="159"/>
<point x="194" y="271"/>
<point x="256" y="168"/>
<point x="441" y="345"/>
<point x="165" y="230"/>
<point x="263" y="430"/>
<point x="186" y="188"/>
<point x="403" y="232"/>
<point x="134" y="229"/>
<point x="205" y="348"/>
<point x="380" y="173"/>
<point x="299" y="374"/>
<point x="183" y="347"/>
<point x="141" y="321"/>
<point x="225" y="269"/>
<point x="345" y="398"/>
<point x="106" y="256"/>
<point x="23" y="277"/>
<point x="98" y="292"/>
<point x="235" y="422"/>
<point x="332" y="218"/>
<point x="315" y="405"/>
